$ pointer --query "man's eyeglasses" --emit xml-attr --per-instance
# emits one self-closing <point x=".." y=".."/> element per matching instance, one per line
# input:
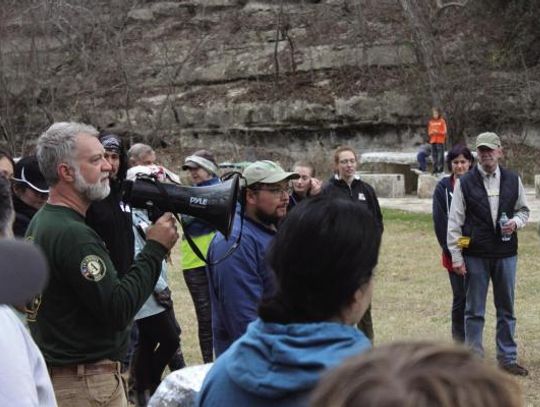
<point x="275" y="190"/>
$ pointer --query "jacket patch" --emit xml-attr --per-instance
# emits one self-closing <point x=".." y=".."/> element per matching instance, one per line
<point x="93" y="268"/>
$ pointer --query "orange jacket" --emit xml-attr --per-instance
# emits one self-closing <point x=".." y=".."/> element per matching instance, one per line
<point x="437" y="131"/>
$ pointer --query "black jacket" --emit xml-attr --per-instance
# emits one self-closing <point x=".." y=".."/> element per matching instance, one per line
<point x="114" y="226"/>
<point x="23" y="215"/>
<point x="359" y="191"/>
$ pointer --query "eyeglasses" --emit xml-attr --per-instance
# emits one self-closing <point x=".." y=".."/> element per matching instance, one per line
<point x="276" y="191"/>
<point x="348" y="161"/>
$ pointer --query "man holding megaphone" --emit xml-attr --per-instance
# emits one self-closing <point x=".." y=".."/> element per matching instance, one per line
<point x="239" y="282"/>
<point x="80" y="321"/>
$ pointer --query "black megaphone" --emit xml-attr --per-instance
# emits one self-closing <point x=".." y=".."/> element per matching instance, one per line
<point x="214" y="204"/>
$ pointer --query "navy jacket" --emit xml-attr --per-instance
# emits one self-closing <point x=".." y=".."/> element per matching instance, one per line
<point x="238" y="283"/>
<point x="442" y="199"/>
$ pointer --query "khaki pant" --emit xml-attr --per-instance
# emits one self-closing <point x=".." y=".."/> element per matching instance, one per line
<point x="83" y="389"/>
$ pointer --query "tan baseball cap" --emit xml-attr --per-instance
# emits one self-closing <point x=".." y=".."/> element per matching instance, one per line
<point x="267" y="172"/>
<point x="489" y="140"/>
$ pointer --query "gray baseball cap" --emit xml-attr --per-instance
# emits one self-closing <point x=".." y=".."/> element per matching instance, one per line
<point x="23" y="271"/>
<point x="267" y="172"/>
<point x="489" y="140"/>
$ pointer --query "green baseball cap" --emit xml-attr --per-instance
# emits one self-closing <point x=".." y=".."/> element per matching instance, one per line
<point x="267" y="172"/>
<point x="489" y="140"/>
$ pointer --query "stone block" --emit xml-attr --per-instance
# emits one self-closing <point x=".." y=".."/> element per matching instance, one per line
<point x="537" y="186"/>
<point x="386" y="185"/>
<point x="426" y="185"/>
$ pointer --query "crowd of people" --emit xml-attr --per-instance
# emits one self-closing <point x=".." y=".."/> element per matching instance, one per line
<point x="282" y="301"/>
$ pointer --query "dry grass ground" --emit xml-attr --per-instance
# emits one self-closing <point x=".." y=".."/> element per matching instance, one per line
<point x="413" y="296"/>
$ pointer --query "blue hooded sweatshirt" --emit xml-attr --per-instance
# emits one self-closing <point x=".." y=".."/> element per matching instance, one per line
<point x="278" y="365"/>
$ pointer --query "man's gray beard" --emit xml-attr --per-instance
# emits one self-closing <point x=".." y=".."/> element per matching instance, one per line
<point x="92" y="192"/>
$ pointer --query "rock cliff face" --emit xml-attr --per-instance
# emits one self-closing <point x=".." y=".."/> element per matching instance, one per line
<point x="263" y="79"/>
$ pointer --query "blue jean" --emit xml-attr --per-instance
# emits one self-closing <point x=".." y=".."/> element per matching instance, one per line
<point x="502" y="273"/>
<point x="437" y="154"/>
<point x="421" y="157"/>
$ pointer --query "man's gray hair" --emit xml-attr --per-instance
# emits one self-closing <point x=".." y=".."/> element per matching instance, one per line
<point x="57" y="145"/>
<point x="6" y="208"/>
<point x="138" y="150"/>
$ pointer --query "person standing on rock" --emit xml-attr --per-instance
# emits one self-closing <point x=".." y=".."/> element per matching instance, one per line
<point x="437" y="137"/>
<point x="346" y="184"/>
<point x="459" y="161"/>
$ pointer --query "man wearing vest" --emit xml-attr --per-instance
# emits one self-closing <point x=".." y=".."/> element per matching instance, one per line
<point x="479" y="252"/>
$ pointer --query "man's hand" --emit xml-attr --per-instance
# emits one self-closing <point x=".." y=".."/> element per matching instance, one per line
<point x="509" y="228"/>
<point x="164" y="298"/>
<point x="460" y="269"/>
<point x="164" y="231"/>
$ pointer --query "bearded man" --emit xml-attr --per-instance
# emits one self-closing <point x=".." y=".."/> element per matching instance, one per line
<point x="80" y="322"/>
<point x="239" y="282"/>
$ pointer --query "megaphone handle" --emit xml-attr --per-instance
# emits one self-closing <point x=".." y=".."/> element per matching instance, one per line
<point x="154" y="213"/>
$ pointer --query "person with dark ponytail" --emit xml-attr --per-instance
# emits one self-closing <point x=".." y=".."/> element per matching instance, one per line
<point x="109" y="217"/>
<point x="459" y="161"/>
<point x="323" y="257"/>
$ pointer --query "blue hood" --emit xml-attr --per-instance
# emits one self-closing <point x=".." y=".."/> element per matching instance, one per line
<point x="274" y="360"/>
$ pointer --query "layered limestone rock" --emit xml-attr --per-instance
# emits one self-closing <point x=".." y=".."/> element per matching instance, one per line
<point x="248" y="79"/>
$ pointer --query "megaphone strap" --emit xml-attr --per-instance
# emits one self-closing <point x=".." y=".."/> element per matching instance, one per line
<point x="231" y="249"/>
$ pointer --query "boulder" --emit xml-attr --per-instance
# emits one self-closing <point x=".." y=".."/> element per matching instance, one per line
<point x="180" y="388"/>
<point x="426" y="185"/>
<point x="386" y="185"/>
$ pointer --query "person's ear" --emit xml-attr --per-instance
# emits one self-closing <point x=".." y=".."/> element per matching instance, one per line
<point x="251" y="196"/>
<point x="66" y="172"/>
